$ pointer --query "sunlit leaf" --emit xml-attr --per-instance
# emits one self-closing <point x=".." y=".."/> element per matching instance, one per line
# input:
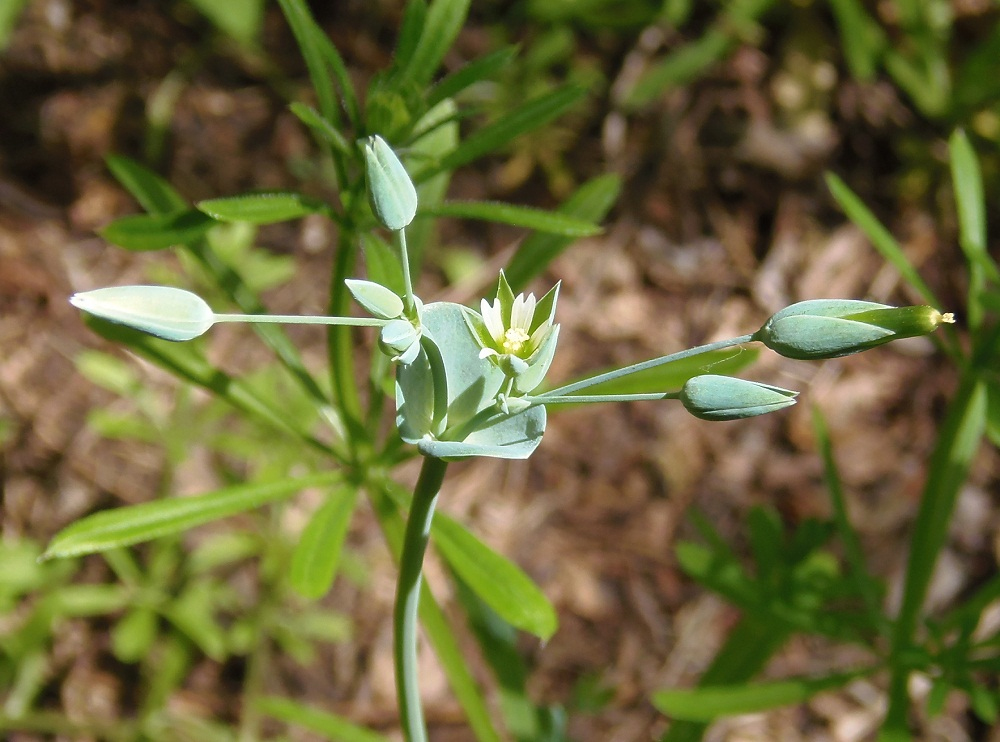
<point x="131" y="525"/>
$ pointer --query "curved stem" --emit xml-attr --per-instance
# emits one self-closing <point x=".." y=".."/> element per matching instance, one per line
<point x="643" y="366"/>
<point x="405" y="624"/>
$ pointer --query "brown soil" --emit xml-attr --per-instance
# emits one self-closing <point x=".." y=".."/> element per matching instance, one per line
<point x="725" y="219"/>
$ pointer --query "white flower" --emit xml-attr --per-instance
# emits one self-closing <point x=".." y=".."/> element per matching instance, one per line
<point x="516" y="340"/>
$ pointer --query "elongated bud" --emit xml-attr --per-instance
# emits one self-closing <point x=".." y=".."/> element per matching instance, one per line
<point x="376" y="298"/>
<point x="390" y="191"/>
<point x="163" y="311"/>
<point x="831" y="328"/>
<point x="712" y="397"/>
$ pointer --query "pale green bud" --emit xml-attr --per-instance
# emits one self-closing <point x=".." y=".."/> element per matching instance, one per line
<point x="376" y="298"/>
<point x="390" y="191"/>
<point x="712" y="397"/>
<point x="400" y="340"/>
<point x="830" y="328"/>
<point x="163" y="311"/>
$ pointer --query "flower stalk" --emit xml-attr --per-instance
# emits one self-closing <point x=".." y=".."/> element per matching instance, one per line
<point x="405" y="614"/>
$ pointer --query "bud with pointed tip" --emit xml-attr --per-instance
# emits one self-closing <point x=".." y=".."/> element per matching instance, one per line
<point x="831" y="328"/>
<point x="391" y="194"/>
<point x="712" y="397"/>
<point x="163" y="311"/>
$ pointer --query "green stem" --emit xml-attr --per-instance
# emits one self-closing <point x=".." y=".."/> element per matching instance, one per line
<point x="404" y="258"/>
<point x="588" y="398"/>
<point x="299" y="319"/>
<point x="405" y="624"/>
<point x="643" y="366"/>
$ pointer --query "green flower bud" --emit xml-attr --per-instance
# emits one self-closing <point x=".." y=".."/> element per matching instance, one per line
<point x="400" y="340"/>
<point x="376" y="298"/>
<point x="390" y="191"/>
<point x="168" y="313"/>
<point x="830" y="328"/>
<point x="711" y="397"/>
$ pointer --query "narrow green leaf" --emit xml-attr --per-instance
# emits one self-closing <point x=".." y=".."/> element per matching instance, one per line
<point x="321" y="127"/>
<point x="707" y="703"/>
<point x="440" y="137"/>
<point x="310" y="40"/>
<point x="137" y="523"/>
<point x="967" y="181"/>
<point x="498" y="641"/>
<point x="880" y="237"/>
<point x="142" y="232"/>
<point x="550" y="222"/>
<point x="671" y="376"/>
<point x="261" y="208"/>
<point x="496" y="580"/>
<point x="410" y="30"/>
<point x="591" y="201"/>
<point x="86" y="600"/>
<point x="152" y="192"/>
<point x="317" y="554"/>
<point x="690" y="60"/>
<point x="441" y="25"/>
<point x="241" y="20"/>
<point x="747" y="649"/>
<point x="483" y="68"/>
<point x="860" y="576"/>
<point x="959" y="438"/>
<point x="531" y="115"/>
<point x="187" y="362"/>
<point x="333" y="727"/>
<point x="861" y="38"/>
<point x="345" y="85"/>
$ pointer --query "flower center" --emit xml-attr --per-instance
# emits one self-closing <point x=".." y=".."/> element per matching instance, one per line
<point x="514" y="340"/>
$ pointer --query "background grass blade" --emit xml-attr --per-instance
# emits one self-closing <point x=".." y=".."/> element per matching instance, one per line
<point x="880" y="237"/>
<point x="958" y="440"/>
<point x="334" y="728"/>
